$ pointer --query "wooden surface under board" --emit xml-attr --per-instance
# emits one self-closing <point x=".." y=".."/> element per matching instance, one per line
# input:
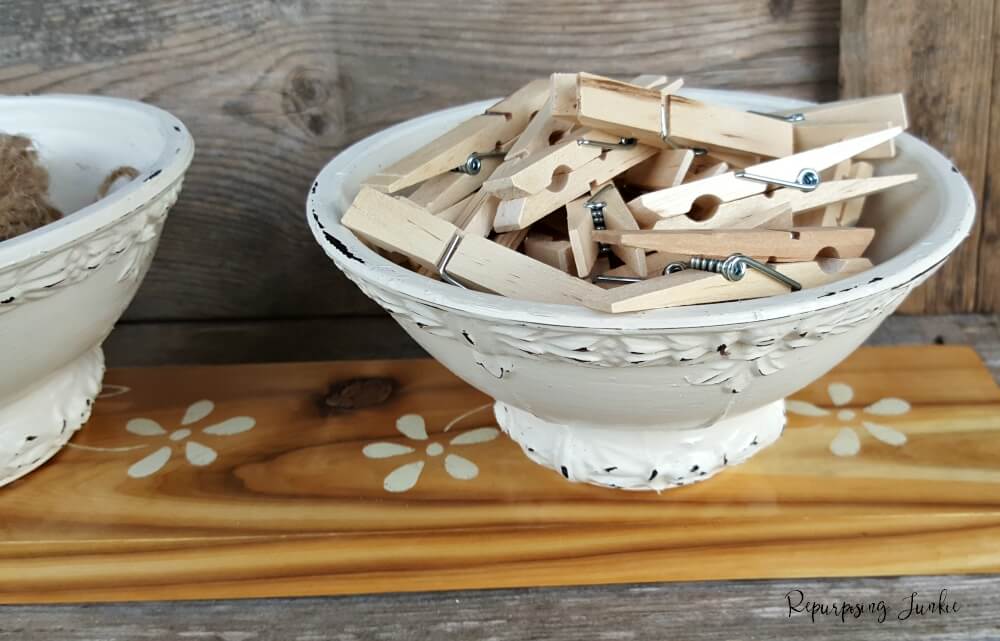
<point x="291" y="505"/>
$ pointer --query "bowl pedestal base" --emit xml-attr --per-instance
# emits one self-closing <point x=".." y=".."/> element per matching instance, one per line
<point x="37" y="425"/>
<point x="641" y="459"/>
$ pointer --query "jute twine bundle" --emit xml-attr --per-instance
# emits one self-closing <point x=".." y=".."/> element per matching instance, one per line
<point x="24" y="183"/>
<point x="24" y="186"/>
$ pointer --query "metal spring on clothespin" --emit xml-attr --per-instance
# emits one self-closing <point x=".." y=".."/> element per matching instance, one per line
<point x="807" y="180"/>
<point x="669" y="269"/>
<point x="596" y="208"/>
<point x="795" y="117"/>
<point x="665" y="127"/>
<point x="623" y="143"/>
<point x="473" y="164"/>
<point x="442" y="264"/>
<point x="732" y="268"/>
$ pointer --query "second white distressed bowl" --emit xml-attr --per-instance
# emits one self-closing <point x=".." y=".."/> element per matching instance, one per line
<point x="655" y="399"/>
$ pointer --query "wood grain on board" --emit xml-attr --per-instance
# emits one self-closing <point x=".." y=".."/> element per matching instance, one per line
<point x="272" y="90"/>
<point x="293" y="505"/>
<point x="941" y="55"/>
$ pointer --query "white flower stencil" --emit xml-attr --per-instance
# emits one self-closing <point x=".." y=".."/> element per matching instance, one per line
<point x="195" y="453"/>
<point x="109" y="390"/>
<point x="847" y="442"/>
<point x="413" y="427"/>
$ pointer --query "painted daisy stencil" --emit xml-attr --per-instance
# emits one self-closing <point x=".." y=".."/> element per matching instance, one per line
<point x="196" y="453"/>
<point x="847" y="442"/>
<point x="413" y="427"/>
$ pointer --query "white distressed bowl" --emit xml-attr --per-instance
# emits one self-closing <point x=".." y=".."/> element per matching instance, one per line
<point x="653" y="399"/>
<point x="63" y="286"/>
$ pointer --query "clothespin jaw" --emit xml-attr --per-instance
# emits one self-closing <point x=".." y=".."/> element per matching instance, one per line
<point x="885" y="108"/>
<point x="528" y="175"/>
<point x="767" y="245"/>
<point x="444" y="190"/>
<point x="486" y="133"/>
<point x="398" y="225"/>
<point x="823" y="124"/>
<point x="746" y="213"/>
<point x="664" y="119"/>
<point x="677" y="201"/>
<point x="543" y="130"/>
<point x="692" y="287"/>
<point x="550" y="146"/>
<point x="564" y="187"/>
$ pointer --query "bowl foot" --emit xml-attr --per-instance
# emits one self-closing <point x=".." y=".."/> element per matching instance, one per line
<point x="641" y="459"/>
<point x="36" y="425"/>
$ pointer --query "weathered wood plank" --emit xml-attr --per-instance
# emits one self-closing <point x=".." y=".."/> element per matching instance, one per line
<point x="271" y="90"/>
<point x="944" y="67"/>
<point x="708" y="611"/>
<point x="268" y="341"/>
<point x="988" y="295"/>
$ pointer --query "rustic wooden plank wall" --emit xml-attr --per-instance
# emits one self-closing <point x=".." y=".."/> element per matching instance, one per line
<point x="942" y="55"/>
<point x="272" y="89"/>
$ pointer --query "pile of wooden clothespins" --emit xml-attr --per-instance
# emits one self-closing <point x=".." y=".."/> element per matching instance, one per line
<point x="623" y="196"/>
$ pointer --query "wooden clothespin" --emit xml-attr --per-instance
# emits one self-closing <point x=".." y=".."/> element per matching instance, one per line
<point x="511" y="239"/>
<point x="546" y="168"/>
<point x="850" y="210"/>
<point x="603" y="208"/>
<point x="398" y="225"/>
<point x="886" y="108"/>
<point x="776" y="217"/>
<point x="481" y="134"/>
<point x="543" y="131"/>
<point x="556" y="253"/>
<point x="707" y="170"/>
<point x="665" y="120"/>
<point x="690" y="287"/>
<point x="478" y="216"/>
<point x="666" y="169"/>
<point x="454" y="212"/>
<point x="813" y="135"/>
<point x="767" y="245"/>
<point x="549" y="146"/>
<point x="735" y="159"/>
<point x="827" y="216"/>
<point x="819" y="125"/>
<point x="747" y="213"/>
<point x="677" y="201"/>
<point x="564" y="187"/>
<point x="440" y="192"/>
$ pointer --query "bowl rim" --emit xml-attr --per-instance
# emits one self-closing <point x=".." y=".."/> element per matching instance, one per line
<point x="175" y="155"/>
<point x="361" y="263"/>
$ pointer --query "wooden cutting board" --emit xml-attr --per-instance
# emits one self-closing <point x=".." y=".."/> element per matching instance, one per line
<point x="221" y="482"/>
